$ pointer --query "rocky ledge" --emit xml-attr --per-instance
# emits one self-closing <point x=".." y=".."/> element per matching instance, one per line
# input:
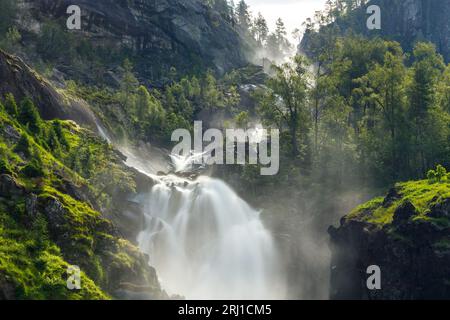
<point x="406" y="234"/>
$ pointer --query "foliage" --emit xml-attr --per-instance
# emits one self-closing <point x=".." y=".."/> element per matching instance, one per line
<point x="421" y="194"/>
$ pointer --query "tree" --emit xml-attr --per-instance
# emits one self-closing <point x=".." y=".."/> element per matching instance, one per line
<point x="12" y="38"/>
<point x="261" y="30"/>
<point x="8" y="11"/>
<point x="280" y="33"/>
<point x="148" y="107"/>
<point x="290" y="87"/>
<point x="221" y="6"/>
<point x="212" y="97"/>
<point x="384" y="88"/>
<point x="29" y="116"/>
<point x="128" y="86"/>
<point x="426" y="72"/>
<point x="277" y="44"/>
<point x="243" y="17"/>
<point x="11" y="105"/>
<point x="54" y="42"/>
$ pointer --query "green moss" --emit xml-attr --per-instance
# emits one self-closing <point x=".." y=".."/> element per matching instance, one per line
<point x="34" y="253"/>
<point x="422" y="194"/>
<point x="35" y="266"/>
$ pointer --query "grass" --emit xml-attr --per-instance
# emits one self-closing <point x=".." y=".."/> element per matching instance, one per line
<point x="34" y="253"/>
<point x="422" y="194"/>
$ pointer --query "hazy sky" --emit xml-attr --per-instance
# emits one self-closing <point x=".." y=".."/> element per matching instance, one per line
<point x="293" y="12"/>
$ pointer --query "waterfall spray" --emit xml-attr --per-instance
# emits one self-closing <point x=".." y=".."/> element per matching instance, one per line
<point x="207" y="243"/>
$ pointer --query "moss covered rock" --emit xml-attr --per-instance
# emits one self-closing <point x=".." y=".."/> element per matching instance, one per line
<point x="406" y="234"/>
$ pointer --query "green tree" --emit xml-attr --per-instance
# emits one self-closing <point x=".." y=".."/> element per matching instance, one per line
<point x="11" y="105"/>
<point x="29" y="116"/>
<point x="12" y="38"/>
<point x="426" y="72"/>
<point x="384" y="88"/>
<point x="290" y="87"/>
<point x="128" y="86"/>
<point x="261" y="30"/>
<point x="8" y="12"/>
<point x="243" y="17"/>
<point x="54" y="42"/>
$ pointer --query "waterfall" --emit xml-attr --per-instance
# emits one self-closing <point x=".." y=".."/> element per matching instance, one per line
<point x="204" y="241"/>
<point x="207" y="243"/>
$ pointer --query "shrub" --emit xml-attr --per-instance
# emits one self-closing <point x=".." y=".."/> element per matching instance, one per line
<point x="438" y="175"/>
<point x="33" y="169"/>
<point x="29" y="116"/>
<point x="441" y="173"/>
<point x="11" y="105"/>
<point x="23" y="145"/>
<point x="4" y="167"/>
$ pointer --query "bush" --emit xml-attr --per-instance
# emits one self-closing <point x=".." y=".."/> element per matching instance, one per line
<point x="23" y="145"/>
<point x="4" y="167"/>
<point x="11" y="105"/>
<point x="29" y="116"/>
<point x="54" y="42"/>
<point x="438" y="175"/>
<point x="441" y="173"/>
<point x="33" y="169"/>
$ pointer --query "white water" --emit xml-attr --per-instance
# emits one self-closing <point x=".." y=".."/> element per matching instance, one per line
<point x="207" y="243"/>
<point x="204" y="241"/>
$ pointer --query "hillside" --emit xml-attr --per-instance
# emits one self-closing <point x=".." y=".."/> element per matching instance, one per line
<point x="406" y="233"/>
<point x="159" y="35"/>
<point x="53" y="188"/>
<point x="404" y="21"/>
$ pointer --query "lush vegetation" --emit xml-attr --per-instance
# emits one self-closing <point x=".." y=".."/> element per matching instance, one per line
<point x="45" y="161"/>
<point x="422" y="194"/>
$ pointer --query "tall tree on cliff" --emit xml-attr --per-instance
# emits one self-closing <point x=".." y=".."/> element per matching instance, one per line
<point x="261" y="30"/>
<point x="243" y="16"/>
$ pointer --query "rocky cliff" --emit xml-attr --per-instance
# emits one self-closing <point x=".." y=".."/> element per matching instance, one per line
<point x="185" y="34"/>
<point x="406" y="21"/>
<point x="406" y="234"/>
<point x="21" y="81"/>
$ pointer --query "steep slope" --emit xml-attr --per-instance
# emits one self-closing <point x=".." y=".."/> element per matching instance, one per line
<point x="50" y="219"/>
<point x="406" y="234"/>
<point x="185" y="34"/>
<point x="20" y="80"/>
<point x="60" y="189"/>
<point x="404" y="21"/>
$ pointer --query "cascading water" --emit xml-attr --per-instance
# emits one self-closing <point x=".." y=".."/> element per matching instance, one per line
<point x="207" y="243"/>
<point x="204" y="241"/>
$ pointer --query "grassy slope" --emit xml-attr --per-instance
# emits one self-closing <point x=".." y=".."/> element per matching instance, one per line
<point x="422" y="194"/>
<point x="33" y="262"/>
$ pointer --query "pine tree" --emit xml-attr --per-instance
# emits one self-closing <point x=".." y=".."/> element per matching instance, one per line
<point x="11" y="105"/>
<point x="29" y="116"/>
<point x="243" y="17"/>
<point x="261" y="29"/>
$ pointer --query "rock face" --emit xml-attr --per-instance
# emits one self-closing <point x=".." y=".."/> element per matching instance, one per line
<point x="20" y="80"/>
<point x="406" y="21"/>
<point x="412" y="253"/>
<point x="164" y="33"/>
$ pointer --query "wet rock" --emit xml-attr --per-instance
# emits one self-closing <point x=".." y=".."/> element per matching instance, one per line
<point x="391" y="197"/>
<point x="55" y="214"/>
<point x="31" y="204"/>
<point x="404" y="212"/>
<point x="11" y="133"/>
<point x="441" y="209"/>
<point x="7" y="290"/>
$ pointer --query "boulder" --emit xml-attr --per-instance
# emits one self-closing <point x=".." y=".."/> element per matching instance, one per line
<point x="441" y="209"/>
<point x="404" y="212"/>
